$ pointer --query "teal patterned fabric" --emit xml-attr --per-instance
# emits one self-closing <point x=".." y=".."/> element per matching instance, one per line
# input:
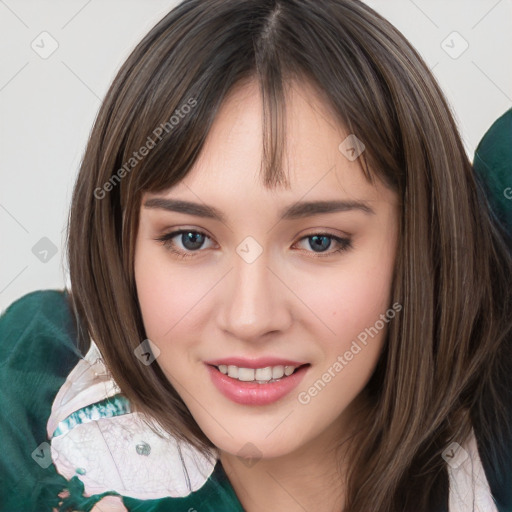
<point x="113" y="406"/>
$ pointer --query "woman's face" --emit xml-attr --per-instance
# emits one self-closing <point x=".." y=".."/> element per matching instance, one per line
<point x="267" y="281"/>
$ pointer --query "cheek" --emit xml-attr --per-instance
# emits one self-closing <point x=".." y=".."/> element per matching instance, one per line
<point x="349" y="298"/>
<point x="158" y="291"/>
<point x="169" y="294"/>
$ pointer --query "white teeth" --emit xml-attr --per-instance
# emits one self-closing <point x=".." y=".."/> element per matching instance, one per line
<point x="277" y="372"/>
<point x="260" y="375"/>
<point x="263" y="373"/>
<point x="246" y="374"/>
<point x="288" y="370"/>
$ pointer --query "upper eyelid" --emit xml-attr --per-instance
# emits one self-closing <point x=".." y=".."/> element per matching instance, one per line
<point x="315" y="231"/>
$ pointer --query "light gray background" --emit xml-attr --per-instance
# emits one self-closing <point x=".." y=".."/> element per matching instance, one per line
<point x="48" y="105"/>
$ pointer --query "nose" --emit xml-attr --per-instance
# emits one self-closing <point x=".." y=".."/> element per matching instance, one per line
<point x="254" y="301"/>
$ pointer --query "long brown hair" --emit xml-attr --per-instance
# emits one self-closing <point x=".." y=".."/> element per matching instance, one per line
<point x="447" y="356"/>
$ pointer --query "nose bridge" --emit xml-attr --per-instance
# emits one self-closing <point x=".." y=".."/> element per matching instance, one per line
<point x="253" y="303"/>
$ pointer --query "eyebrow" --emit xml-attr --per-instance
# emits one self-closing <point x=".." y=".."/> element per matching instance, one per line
<point x="295" y="211"/>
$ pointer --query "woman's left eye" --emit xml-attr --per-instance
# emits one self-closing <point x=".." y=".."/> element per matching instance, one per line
<point x="192" y="240"/>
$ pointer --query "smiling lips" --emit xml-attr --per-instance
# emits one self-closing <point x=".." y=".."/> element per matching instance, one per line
<point x="256" y="382"/>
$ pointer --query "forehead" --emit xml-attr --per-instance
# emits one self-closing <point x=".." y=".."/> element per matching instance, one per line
<point x="229" y="163"/>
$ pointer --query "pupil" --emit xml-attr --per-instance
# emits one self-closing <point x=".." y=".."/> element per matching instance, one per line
<point x="192" y="238"/>
<point x="321" y="246"/>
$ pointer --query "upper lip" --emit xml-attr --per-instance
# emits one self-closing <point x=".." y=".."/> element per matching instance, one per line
<point x="261" y="362"/>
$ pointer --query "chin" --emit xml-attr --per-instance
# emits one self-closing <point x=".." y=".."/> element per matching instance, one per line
<point x="253" y="446"/>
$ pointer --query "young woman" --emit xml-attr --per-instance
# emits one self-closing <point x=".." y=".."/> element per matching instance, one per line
<point x="212" y="354"/>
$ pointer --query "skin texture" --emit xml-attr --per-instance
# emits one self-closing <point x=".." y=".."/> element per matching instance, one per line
<point x="294" y="301"/>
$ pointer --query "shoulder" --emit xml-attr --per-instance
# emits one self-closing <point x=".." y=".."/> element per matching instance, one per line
<point x="38" y="331"/>
<point x="495" y="143"/>
<point x="493" y="165"/>
<point x="38" y="340"/>
<point x="42" y="313"/>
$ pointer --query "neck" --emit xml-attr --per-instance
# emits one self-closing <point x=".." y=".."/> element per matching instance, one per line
<point x="293" y="483"/>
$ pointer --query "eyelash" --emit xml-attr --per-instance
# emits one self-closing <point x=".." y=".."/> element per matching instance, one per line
<point x="166" y="240"/>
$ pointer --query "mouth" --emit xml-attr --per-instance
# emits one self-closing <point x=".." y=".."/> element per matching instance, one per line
<point x="256" y="386"/>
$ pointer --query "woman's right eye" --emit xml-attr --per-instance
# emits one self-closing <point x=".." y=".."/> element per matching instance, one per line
<point x="190" y="239"/>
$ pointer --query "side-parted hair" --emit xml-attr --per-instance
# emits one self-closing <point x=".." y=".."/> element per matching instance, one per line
<point x="447" y="362"/>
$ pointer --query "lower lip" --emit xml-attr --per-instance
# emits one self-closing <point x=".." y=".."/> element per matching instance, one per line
<point x="252" y="393"/>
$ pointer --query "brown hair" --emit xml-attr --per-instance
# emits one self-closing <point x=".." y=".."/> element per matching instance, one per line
<point x="447" y="355"/>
